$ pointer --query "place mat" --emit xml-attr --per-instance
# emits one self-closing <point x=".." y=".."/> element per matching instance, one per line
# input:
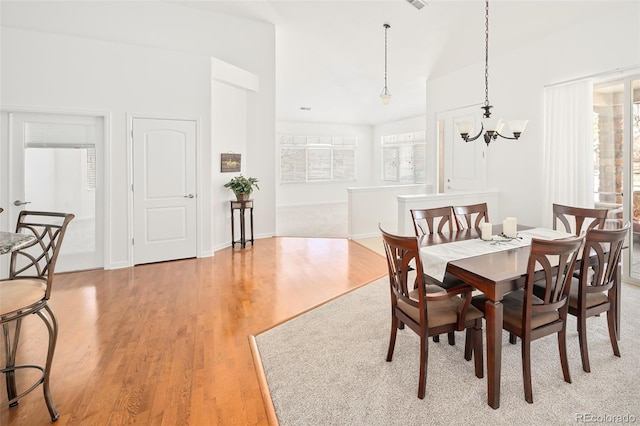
<point x="435" y="258"/>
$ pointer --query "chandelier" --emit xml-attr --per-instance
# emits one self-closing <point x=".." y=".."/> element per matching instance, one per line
<point x="491" y="126"/>
<point x="385" y="95"/>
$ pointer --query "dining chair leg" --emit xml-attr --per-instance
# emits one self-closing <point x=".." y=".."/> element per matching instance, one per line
<point x="477" y="349"/>
<point x="424" y="358"/>
<point x="611" y="320"/>
<point x="526" y="369"/>
<point x="582" y="340"/>
<point x="468" y="342"/>
<point x="513" y="339"/>
<point x="452" y="338"/>
<point x="392" y="338"/>
<point x="436" y="338"/>
<point x="562" y="347"/>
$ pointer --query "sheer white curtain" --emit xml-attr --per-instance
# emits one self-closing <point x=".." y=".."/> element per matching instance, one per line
<point x="568" y="147"/>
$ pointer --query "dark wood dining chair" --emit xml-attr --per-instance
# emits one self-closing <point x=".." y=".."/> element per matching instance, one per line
<point x="471" y="216"/>
<point x="531" y="317"/>
<point x="580" y="216"/>
<point x="427" y="310"/>
<point x="434" y="220"/>
<point x="26" y="292"/>
<point x="594" y="291"/>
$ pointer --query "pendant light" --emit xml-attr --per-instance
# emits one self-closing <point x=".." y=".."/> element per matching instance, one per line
<point x="385" y="95"/>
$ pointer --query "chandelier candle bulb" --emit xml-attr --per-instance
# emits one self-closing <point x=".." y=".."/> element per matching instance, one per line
<point x="509" y="227"/>
<point x="486" y="231"/>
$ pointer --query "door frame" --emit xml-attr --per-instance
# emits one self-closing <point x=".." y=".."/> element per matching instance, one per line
<point x="448" y="117"/>
<point x="103" y="161"/>
<point x="131" y="223"/>
<point x="628" y="189"/>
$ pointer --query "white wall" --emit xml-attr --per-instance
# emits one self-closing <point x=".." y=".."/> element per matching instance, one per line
<point x="516" y="84"/>
<point x="150" y="58"/>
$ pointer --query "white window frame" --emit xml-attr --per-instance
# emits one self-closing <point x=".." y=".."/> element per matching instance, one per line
<point x="307" y="159"/>
<point x="403" y="157"/>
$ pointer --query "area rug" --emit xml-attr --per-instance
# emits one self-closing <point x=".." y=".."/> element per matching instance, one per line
<point x="327" y="367"/>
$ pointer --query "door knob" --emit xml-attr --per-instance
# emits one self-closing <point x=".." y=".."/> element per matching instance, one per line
<point x="189" y="196"/>
<point x="20" y="203"/>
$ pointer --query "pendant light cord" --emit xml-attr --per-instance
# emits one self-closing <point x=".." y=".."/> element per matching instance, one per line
<point x="386" y="27"/>
<point x="486" y="54"/>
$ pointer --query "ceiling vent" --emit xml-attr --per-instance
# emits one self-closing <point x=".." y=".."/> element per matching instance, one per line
<point x="417" y="4"/>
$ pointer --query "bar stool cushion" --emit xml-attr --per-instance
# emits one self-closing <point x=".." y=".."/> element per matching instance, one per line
<point x="19" y="294"/>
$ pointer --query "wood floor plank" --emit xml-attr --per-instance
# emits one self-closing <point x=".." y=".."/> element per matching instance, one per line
<point x="167" y="343"/>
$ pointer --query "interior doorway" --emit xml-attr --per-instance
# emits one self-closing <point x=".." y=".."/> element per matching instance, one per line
<point x="57" y="165"/>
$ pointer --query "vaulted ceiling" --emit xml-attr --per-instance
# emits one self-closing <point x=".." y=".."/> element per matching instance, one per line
<point x="330" y="54"/>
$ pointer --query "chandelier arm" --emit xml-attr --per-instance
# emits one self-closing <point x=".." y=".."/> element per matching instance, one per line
<point x="471" y="139"/>
<point x="508" y="137"/>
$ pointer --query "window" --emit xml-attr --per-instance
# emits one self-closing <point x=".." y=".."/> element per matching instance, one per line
<point x="616" y="109"/>
<point x="403" y="157"/>
<point x="317" y="158"/>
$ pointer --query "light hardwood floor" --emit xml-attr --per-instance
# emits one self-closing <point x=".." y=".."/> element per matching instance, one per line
<point x="167" y="343"/>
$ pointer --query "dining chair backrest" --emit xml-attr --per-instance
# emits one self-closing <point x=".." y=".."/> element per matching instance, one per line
<point x="434" y="220"/>
<point x="580" y="216"/>
<point x="38" y="260"/>
<point x="471" y="216"/>
<point x="603" y="247"/>
<point x="550" y="266"/>
<point x="401" y="251"/>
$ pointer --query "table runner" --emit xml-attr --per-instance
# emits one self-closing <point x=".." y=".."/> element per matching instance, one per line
<point x="435" y="258"/>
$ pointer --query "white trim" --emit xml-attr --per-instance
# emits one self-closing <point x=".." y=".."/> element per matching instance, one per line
<point x="623" y="72"/>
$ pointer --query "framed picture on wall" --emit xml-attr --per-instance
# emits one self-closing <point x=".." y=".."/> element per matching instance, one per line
<point x="229" y="162"/>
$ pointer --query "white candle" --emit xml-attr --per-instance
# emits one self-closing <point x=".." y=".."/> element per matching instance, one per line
<point x="486" y="231"/>
<point x="510" y="227"/>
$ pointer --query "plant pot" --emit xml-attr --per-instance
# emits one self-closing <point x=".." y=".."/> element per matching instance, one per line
<point x="242" y="197"/>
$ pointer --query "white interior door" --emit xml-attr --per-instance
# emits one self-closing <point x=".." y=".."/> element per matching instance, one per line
<point x="164" y="190"/>
<point x="56" y="166"/>
<point x="464" y="162"/>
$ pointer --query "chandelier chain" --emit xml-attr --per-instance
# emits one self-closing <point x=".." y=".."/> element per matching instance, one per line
<point x="486" y="54"/>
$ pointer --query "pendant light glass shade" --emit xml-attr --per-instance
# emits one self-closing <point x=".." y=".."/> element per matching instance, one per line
<point x="385" y="95"/>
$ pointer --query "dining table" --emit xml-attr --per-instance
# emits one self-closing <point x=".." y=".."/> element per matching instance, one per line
<point x="496" y="268"/>
<point x="11" y="241"/>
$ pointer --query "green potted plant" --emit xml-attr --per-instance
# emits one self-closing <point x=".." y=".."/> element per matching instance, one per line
<point x="242" y="186"/>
